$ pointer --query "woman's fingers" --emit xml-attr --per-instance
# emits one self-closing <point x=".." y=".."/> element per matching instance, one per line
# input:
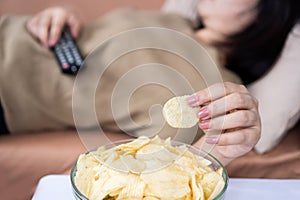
<point x="229" y="117"/>
<point x="43" y="29"/>
<point x="39" y="26"/>
<point x="237" y="119"/>
<point x="234" y="101"/>
<point x="48" y="25"/>
<point x="32" y="26"/>
<point x="74" y="24"/>
<point x="215" y="92"/>
<point x="247" y="137"/>
<point x="59" y="21"/>
<point x="57" y="24"/>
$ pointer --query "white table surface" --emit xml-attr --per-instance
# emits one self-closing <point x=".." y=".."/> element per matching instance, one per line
<point x="58" y="187"/>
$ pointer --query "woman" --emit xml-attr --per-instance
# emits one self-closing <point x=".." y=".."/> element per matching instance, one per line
<point x="265" y="55"/>
<point x="250" y="36"/>
<point x="242" y="130"/>
<point x="237" y="142"/>
<point x="63" y="147"/>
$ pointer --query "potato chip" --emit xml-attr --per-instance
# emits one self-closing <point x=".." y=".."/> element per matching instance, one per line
<point x="133" y="165"/>
<point x="85" y="173"/>
<point x="210" y="182"/>
<point x="133" y="190"/>
<point x="135" y="145"/>
<point x="179" y="114"/>
<point x="97" y="190"/>
<point x="218" y="188"/>
<point x="196" y="189"/>
<point x="150" y="198"/>
<point x="118" y="165"/>
<point x="169" y="183"/>
<point x="220" y="171"/>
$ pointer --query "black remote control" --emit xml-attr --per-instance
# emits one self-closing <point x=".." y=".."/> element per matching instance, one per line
<point x="67" y="53"/>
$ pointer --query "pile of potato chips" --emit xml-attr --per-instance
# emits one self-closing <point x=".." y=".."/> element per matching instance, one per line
<point x="147" y="169"/>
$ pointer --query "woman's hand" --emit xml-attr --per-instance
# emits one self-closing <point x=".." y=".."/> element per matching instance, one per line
<point x="228" y="109"/>
<point x="48" y="24"/>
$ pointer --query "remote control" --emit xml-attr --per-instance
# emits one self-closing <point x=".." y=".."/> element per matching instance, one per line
<point x="67" y="53"/>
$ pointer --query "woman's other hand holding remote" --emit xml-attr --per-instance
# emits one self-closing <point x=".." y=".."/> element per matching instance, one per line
<point x="48" y="24"/>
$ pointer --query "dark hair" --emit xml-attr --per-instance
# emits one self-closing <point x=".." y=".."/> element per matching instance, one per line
<point x="253" y="51"/>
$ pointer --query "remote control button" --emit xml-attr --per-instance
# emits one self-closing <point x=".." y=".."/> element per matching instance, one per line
<point x="68" y="54"/>
<point x="65" y="65"/>
<point x="74" y="69"/>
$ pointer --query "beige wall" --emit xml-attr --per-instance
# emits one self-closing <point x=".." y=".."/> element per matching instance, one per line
<point x="89" y="9"/>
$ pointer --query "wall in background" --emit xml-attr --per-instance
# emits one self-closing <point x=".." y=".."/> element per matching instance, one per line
<point x="88" y="9"/>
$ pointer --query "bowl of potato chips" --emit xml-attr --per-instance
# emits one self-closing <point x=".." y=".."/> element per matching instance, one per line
<point x="148" y="169"/>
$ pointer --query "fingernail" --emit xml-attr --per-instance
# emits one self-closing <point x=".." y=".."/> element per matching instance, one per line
<point x="75" y="35"/>
<point x="192" y="100"/>
<point x="211" y="140"/>
<point x="51" y="42"/>
<point x="203" y="112"/>
<point x="204" y="124"/>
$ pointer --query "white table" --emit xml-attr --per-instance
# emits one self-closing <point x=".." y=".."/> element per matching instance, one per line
<point x="58" y="187"/>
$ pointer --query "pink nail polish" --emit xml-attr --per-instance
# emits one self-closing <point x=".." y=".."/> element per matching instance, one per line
<point x="75" y="34"/>
<point x="205" y="124"/>
<point x="203" y="112"/>
<point x="51" y="42"/>
<point x="211" y="140"/>
<point x="191" y="100"/>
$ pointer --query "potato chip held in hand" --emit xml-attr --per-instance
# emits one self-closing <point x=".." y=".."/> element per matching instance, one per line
<point x="179" y="114"/>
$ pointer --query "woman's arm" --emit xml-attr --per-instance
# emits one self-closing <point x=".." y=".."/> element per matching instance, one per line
<point x="278" y="94"/>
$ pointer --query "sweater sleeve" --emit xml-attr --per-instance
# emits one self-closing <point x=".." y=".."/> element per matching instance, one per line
<point x="186" y="8"/>
<point x="278" y="94"/>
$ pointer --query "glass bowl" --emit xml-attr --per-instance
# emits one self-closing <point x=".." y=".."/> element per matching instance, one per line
<point x="215" y="164"/>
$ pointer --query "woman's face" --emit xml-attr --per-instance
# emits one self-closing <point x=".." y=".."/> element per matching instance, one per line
<point x="223" y="18"/>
